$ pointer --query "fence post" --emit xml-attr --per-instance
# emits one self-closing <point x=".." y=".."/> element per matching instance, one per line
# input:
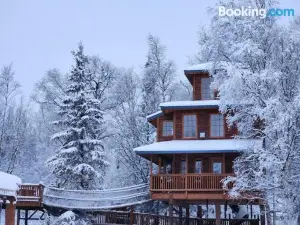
<point x="131" y="216"/>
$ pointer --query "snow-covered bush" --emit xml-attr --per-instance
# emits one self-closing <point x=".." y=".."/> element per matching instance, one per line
<point x="71" y="218"/>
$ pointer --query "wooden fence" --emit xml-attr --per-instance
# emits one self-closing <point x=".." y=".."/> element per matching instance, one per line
<point x="130" y="218"/>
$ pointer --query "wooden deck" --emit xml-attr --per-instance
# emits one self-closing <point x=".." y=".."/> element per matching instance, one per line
<point x="204" y="182"/>
<point x="188" y="186"/>
<point x="30" y="196"/>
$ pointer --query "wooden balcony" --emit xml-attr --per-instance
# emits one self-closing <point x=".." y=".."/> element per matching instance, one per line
<point x="30" y="196"/>
<point x="181" y="186"/>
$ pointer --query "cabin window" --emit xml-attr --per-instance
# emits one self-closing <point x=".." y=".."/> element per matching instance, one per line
<point x="168" y="128"/>
<point x="216" y="125"/>
<point x="190" y="126"/>
<point x="183" y="166"/>
<point x="198" y="166"/>
<point x="217" y="167"/>
<point x="168" y="167"/>
<point x="206" y="92"/>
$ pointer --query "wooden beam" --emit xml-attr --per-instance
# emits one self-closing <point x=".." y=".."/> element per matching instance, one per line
<point x="159" y="164"/>
<point x="225" y="209"/>
<point x="187" y="215"/>
<point x="262" y="215"/>
<point x="131" y="215"/>
<point x="18" y="216"/>
<point x="170" y="211"/>
<point x="223" y="163"/>
<point x="180" y="215"/>
<point x="173" y="164"/>
<point x="10" y="213"/>
<point x="199" y="211"/>
<point x="151" y="162"/>
<point x="218" y="213"/>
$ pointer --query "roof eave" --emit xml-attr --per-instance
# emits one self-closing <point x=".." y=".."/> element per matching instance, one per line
<point x="144" y="152"/>
<point x="189" y="107"/>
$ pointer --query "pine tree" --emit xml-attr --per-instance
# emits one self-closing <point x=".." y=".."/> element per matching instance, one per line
<point x="80" y="162"/>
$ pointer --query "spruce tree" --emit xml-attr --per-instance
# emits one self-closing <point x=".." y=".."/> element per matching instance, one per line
<point x="80" y="162"/>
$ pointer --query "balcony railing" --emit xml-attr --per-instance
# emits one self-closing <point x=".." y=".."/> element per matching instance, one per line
<point x="187" y="182"/>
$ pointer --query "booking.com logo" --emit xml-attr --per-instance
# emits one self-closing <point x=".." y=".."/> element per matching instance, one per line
<point x="249" y="11"/>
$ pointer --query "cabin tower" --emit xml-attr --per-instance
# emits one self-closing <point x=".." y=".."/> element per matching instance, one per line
<point x="194" y="152"/>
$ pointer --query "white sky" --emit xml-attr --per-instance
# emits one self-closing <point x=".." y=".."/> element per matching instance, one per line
<point x="37" y="35"/>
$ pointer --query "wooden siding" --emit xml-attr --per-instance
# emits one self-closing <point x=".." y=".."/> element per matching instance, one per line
<point x="206" y="159"/>
<point x="203" y="125"/>
<point x="197" y="85"/>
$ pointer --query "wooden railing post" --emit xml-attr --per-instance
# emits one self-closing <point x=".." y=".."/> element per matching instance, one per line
<point x="131" y="216"/>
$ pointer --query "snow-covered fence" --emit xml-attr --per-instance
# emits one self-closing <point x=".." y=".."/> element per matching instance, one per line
<point x="96" y="199"/>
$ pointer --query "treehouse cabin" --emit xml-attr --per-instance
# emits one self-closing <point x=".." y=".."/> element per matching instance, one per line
<point x="195" y="150"/>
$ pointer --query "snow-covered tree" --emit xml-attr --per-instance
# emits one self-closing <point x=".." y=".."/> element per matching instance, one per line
<point x="257" y="74"/>
<point x="159" y="73"/>
<point x="129" y="126"/>
<point x="80" y="162"/>
<point x="71" y="218"/>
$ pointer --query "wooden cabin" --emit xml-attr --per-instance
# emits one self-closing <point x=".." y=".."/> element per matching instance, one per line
<point x="195" y="149"/>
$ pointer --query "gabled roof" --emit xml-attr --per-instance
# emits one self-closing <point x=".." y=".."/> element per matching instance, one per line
<point x="198" y="146"/>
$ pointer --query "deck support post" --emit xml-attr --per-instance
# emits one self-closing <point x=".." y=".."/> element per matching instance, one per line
<point x="187" y="215"/>
<point x="199" y="211"/>
<point x="10" y="212"/>
<point x="199" y="214"/>
<point x="131" y="216"/>
<point x="225" y="210"/>
<point x="180" y="215"/>
<point x="218" y="213"/>
<point x="18" y="216"/>
<point x="262" y="215"/>
<point x="206" y="214"/>
<point x="170" y="211"/>
<point x="26" y="217"/>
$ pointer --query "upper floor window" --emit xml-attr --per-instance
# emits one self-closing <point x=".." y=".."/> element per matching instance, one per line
<point x="189" y="126"/>
<point x="216" y="125"/>
<point x="206" y="92"/>
<point x="167" y="128"/>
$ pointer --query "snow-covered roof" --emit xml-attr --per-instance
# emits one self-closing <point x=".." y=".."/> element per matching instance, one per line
<point x="201" y="67"/>
<point x="9" y="184"/>
<point x="206" y="67"/>
<point x="198" y="146"/>
<point x="154" y="115"/>
<point x="190" y="104"/>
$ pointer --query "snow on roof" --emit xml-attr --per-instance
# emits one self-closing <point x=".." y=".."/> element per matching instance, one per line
<point x="198" y="146"/>
<point x="9" y="184"/>
<point x="201" y="67"/>
<point x="190" y="104"/>
<point x="206" y="67"/>
<point x="154" y="115"/>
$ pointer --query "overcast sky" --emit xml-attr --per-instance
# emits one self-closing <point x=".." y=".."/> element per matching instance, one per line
<point x="37" y="35"/>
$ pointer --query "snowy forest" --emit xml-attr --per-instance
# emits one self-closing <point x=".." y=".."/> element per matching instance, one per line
<point x="79" y="127"/>
<point x="115" y="102"/>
